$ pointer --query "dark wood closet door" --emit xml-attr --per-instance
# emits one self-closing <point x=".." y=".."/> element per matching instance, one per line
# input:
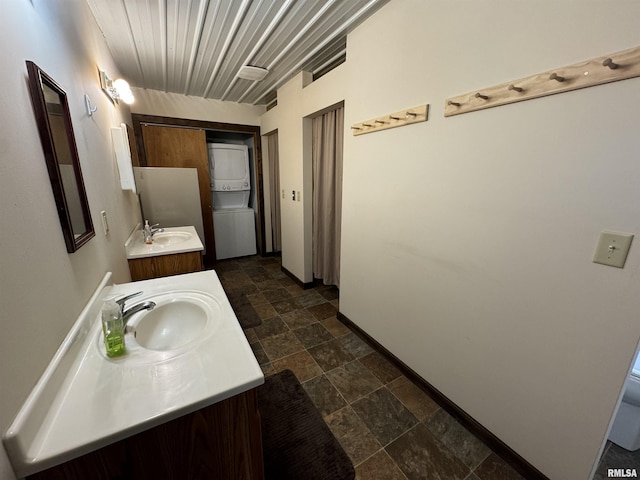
<point x="184" y="148"/>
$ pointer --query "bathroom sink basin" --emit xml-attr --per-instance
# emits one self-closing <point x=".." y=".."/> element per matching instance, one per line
<point x="170" y="326"/>
<point x="180" y="319"/>
<point x="171" y="238"/>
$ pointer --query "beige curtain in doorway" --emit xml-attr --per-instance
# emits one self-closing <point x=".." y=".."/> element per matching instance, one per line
<point x="274" y="189"/>
<point x="328" y="139"/>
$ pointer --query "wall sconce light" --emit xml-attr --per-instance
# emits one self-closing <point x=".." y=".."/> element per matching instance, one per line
<point x="116" y="89"/>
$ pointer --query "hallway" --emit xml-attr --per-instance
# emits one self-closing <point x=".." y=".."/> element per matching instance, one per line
<point x="388" y="426"/>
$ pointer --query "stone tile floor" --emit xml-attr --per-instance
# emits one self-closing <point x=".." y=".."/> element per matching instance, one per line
<point x="388" y="426"/>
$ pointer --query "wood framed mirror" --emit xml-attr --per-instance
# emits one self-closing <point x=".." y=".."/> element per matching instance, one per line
<point x="61" y="156"/>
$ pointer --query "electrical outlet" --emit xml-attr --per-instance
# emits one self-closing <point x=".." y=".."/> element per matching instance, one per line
<point x="293" y="195"/>
<point x="612" y="249"/>
<point x="105" y="222"/>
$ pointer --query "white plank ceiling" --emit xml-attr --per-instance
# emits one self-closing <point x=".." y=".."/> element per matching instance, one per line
<point x="196" y="47"/>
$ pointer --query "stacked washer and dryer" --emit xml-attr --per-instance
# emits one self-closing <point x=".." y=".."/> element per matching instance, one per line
<point x="233" y="220"/>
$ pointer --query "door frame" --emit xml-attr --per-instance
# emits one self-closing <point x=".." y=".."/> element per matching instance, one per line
<point x="140" y="119"/>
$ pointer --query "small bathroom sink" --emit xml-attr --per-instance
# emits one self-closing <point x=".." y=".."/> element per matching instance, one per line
<point x="171" y="238"/>
<point x="180" y="319"/>
<point x="171" y="325"/>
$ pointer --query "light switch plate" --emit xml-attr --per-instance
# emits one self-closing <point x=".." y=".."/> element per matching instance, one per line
<point x="612" y="249"/>
<point x="105" y="222"/>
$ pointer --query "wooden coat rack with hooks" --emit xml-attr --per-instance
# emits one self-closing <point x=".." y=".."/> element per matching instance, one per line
<point x="606" y="69"/>
<point x="392" y="120"/>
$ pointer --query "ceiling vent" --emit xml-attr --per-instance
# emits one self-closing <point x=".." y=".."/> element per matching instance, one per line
<point x="252" y="73"/>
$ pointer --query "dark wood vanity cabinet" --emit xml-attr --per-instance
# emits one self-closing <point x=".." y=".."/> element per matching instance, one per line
<point x="219" y="442"/>
<point x="165" y="265"/>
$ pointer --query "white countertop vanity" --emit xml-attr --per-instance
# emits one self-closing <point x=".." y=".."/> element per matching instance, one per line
<point x="170" y="241"/>
<point x="188" y="353"/>
<point x="174" y="250"/>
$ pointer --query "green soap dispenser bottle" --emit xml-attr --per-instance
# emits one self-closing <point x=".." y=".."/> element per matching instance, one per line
<point x="113" y="327"/>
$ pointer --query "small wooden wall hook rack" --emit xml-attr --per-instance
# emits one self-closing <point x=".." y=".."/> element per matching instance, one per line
<point x="605" y="69"/>
<point x="392" y="120"/>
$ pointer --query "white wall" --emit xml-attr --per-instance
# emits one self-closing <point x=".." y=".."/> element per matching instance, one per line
<point x="42" y="287"/>
<point x="467" y="241"/>
<point x="298" y="102"/>
<point x="288" y="120"/>
<point x="167" y="104"/>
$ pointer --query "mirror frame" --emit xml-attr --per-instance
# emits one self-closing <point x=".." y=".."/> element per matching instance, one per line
<point x="38" y="78"/>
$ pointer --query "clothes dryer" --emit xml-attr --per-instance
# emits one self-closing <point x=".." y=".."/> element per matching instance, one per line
<point x="230" y="175"/>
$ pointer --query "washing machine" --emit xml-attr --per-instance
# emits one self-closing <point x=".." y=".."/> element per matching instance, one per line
<point x="233" y="221"/>
<point x="235" y="232"/>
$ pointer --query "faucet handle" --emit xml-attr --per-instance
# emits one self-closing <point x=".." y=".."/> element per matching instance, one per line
<point x="120" y="301"/>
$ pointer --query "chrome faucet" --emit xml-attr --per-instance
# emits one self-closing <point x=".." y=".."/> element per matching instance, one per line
<point x="126" y="314"/>
<point x="150" y="230"/>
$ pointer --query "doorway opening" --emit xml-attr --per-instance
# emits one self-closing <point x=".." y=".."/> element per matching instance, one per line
<point x="326" y="163"/>
<point x="233" y="191"/>
<point x="622" y="445"/>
